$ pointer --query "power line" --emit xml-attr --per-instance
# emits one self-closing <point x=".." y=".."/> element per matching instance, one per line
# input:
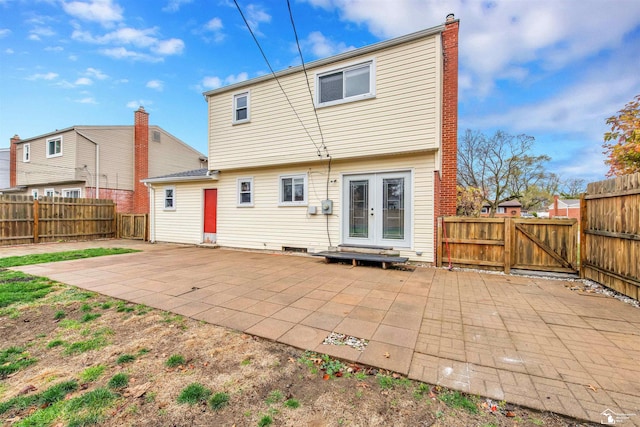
<point x="276" y="77"/>
<point x="304" y="68"/>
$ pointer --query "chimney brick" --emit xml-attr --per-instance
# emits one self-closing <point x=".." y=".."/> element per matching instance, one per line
<point x="141" y="160"/>
<point x="13" y="159"/>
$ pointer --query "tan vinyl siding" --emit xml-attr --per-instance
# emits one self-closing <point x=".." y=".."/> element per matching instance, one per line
<point x="171" y="155"/>
<point x="404" y="114"/>
<point x="116" y="154"/>
<point x="41" y="169"/>
<point x="269" y="226"/>
<point x="184" y="224"/>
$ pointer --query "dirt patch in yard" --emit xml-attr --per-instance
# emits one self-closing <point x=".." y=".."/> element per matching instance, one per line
<point x="263" y="383"/>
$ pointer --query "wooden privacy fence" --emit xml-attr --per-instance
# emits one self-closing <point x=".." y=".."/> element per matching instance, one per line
<point x="509" y="243"/>
<point x="610" y="245"/>
<point x="133" y="226"/>
<point x="24" y="220"/>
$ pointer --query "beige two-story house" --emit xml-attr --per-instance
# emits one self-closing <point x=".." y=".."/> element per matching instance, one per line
<point x="374" y="168"/>
<point x="99" y="161"/>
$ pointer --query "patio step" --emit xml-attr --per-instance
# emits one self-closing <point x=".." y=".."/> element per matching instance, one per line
<point x="365" y="249"/>
<point x="355" y="257"/>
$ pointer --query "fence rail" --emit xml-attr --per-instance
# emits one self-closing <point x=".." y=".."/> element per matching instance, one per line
<point x="24" y="219"/>
<point x="133" y="226"/>
<point x="610" y="223"/>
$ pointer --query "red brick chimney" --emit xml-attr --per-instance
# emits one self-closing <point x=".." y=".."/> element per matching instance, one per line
<point x="13" y="159"/>
<point x="449" y="166"/>
<point x="140" y="161"/>
<point x="555" y="206"/>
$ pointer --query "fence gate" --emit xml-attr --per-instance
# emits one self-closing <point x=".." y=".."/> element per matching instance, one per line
<point x="132" y="226"/>
<point x="509" y="243"/>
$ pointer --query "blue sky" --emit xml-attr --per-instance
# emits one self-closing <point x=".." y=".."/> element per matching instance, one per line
<point x="552" y="69"/>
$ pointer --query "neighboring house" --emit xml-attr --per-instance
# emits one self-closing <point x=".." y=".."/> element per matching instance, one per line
<point x="564" y="208"/>
<point x="504" y="209"/>
<point x="388" y="115"/>
<point x="4" y="168"/>
<point x="107" y="161"/>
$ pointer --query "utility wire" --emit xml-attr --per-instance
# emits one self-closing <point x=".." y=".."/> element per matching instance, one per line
<point x="315" y="112"/>
<point x="276" y="77"/>
<point x="304" y="68"/>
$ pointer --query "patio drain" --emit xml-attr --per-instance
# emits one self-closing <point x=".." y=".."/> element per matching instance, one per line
<point x="335" y="338"/>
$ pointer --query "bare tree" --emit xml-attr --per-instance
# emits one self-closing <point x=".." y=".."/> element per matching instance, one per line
<point x="573" y="188"/>
<point x="501" y="165"/>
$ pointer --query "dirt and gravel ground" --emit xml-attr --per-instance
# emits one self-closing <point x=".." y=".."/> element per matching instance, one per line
<point x="258" y="375"/>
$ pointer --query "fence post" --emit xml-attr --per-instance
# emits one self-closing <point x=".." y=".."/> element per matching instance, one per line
<point x="36" y="221"/>
<point x="582" y="236"/>
<point x="507" y="245"/>
<point x="439" y="242"/>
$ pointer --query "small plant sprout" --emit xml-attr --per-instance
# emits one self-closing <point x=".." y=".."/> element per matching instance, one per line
<point x="194" y="393"/>
<point x="218" y="401"/>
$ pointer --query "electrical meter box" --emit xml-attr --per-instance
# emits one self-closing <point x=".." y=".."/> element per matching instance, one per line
<point x="327" y="207"/>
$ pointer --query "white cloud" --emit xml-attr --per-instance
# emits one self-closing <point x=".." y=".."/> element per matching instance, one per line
<point x="45" y="76"/>
<point x="87" y="100"/>
<point x="95" y="73"/>
<point x="123" y="53"/>
<point x="104" y="12"/>
<point x="9" y="51"/>
<point x="169" y="47"/>
<point x="321" y="47"/>
<point x="54" y="48"/>
<point x="83" y="81"/>
<point x="138" y="103"/>
<point x="256" y="15"/>
<point x="4" y="32"/>
<point x="34" y="37"/>
<point x="174" y="5"/>
<point x="213" y="82"/>
<point x="155" y="84"/>
<point x="42" y="31"/>
<point x="214" y="24"/>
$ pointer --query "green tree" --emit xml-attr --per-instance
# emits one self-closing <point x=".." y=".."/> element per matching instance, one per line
<point x="622" y="143"/>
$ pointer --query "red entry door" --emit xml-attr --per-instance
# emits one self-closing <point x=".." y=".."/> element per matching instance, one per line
<point x="210" y="213"/>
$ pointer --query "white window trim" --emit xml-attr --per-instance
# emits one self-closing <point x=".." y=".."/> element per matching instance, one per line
<point x="238" y="186"/>
<point x="26" y="153"/>
<point x="34" y="193"/>
<point x="234" y="97"/>
<point x="304" y="202"/>
<point x="61" y="146"/>
<point x="66" y="191"/>
<point x="164" y="198"/>
<point x="346" y="67"/>
<point x="49" y="190"/>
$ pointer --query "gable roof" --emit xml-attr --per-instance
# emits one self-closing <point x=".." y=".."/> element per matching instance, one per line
<point x="191" y="175"/>
<point x="566" y="203"/>
<point x="342" y="56"/>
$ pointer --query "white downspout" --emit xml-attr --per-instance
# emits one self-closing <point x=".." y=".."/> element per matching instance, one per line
<point x="152" y="212"/>
<point x="97" y="170"/>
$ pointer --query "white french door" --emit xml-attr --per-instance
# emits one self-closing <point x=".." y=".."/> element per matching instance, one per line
<point x="377" y="209"/>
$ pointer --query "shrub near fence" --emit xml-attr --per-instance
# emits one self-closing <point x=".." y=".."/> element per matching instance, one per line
<point x="610" y="247"/>
<point x="24" y="220"/>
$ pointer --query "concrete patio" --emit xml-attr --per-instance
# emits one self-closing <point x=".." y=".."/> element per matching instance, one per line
<point x="530" y="341"/>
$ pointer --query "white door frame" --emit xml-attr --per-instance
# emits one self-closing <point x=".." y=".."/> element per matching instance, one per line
<point x="375" y="211"/>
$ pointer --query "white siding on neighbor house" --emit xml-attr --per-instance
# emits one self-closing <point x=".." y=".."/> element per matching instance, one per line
<point x="4" y="168"/>
<point x="403" y="116"/>
<point x="171" y="155"/>
<point x="40" y="169"/>
<point x="267" y="225"/>
<point x="184" y="224"/>
<point x="116" y="154"/>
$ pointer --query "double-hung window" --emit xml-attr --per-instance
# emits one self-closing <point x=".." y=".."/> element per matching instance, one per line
<point x="245" y="191"/>
<point x="54" y="147"/>
<point x="170" y="198"/>
<point x="293" y="190"/>
<point x="346" y="84"/>
<point x="72" y="192"/>
<point x="241" y="107"/>
<point x="26" y="153"/>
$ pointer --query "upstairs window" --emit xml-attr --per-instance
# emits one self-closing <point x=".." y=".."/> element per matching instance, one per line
<point x="346" y="84"/>
<point x="54" y="147"/>
<point x="26" y="153"/>
<point x="170" y="198"/>
<point x="241" y="107"/>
